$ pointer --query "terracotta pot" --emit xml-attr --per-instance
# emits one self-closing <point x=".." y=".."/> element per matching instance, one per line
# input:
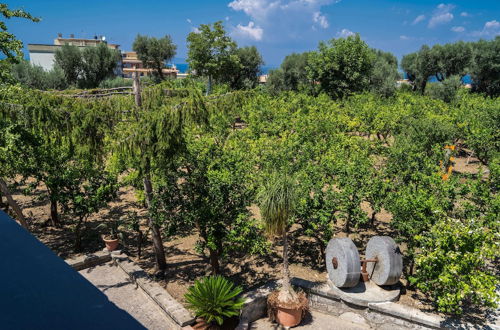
<point x="288" y="317"/>
<point x="111" y="244"/>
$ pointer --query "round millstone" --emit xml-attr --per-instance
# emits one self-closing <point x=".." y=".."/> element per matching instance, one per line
<point x="389" y="267"/>
<point x="347" y="270"/>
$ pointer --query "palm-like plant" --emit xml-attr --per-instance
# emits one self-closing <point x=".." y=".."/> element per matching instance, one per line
<point x="214" y="298"/>
<point x="277" y="206"/>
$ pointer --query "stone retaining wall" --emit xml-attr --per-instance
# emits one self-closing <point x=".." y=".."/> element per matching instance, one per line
<point x="382" y="316"/>
<point x="89" y="260"/>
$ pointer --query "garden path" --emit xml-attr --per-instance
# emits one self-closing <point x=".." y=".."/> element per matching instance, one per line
<point x="114" y="283"/>
<point x="318" y="321"/>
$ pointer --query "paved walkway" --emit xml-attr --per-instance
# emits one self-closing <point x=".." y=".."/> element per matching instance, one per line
<point x="113" y="282"/>
<point x="318" y="321"/>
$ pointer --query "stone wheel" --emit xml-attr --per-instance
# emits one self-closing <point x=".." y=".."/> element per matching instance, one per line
<point x="389" y="267"/>
<point x="342" y="262"/>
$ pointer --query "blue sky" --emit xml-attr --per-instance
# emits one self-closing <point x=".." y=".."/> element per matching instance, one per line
<point x="275" y="27"/>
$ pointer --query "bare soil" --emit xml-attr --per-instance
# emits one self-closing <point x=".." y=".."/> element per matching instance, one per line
<point x="185" y="265"/>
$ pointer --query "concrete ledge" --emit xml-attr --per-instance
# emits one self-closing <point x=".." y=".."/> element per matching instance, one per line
<point x="89" y="260"/>
<point x="408" y="313"/>
<point x="171" y="307"/>
<point x="256" y="304"/>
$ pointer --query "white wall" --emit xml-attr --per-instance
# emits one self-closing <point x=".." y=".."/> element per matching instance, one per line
<point x="45" y="60"/>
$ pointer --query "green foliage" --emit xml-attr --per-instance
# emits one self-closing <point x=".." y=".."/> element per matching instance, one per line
<point x="10" y="47"/>
<point x="455" y="265"/>
<point x="113" y="228"/>
<point x="154" y="52"/>
<point x="341" y="66"/>
<point x="98" y="63"/>
<point x="115" y="82"/>
<point x="215" y="299"/>
<point x="245" y="74"/>
<point x="446" y="90"/>
<point x="87" y="67"/>
<point x="478" y="120"/>
<point x="291" y="76"/>
<point x="485" y="71"/>
<point x="211" y="52"/>
<point x="34" y="76"/>
<point x="278" y="199"/>
<point x="384" y="74"/>
<point x="69" y="59"/>
<point x="84" y="190"/>
<point x="420" y="66"/>
<point x="206" y="158"/>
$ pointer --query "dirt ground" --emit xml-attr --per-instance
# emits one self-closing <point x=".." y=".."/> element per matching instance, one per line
<point x="185" y="264"/>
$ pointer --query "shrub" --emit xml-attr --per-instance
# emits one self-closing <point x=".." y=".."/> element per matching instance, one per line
<point x="35" y="76"/>
<point x="214" y="298"/>
<point x="455" y="266"/>
<point x="445" y="91"/>
<point x="115" y="82"/>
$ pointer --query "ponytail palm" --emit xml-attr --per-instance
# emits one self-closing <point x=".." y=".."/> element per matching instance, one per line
<point x="277" y="206"/>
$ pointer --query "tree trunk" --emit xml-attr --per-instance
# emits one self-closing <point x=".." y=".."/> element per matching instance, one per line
<point x="2" y="204"/>
<point x="214" y="261"/>
<point x="287" y="294"/>
<point x="209" y="86"/>
<point x="322" y="252"/>
<point x="137" y="90"/>
<point x="139" y="244"/>
<point x="15" y="207"/>
<point x="422" y="87"/>
<point x="373" y="218"/>
<point x="78" y="236"/>
<point x="347" y="227"/>
<point x="160" y="73"/>
<point x="161" y="263"/>
<point x="54" y="215"/>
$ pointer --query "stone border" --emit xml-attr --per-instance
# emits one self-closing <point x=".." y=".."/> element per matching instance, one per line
<point x="255" y="306"/>
<point x="323" y="298"/>
<point x="171" y="307"/>
<point x="89" y="260"/>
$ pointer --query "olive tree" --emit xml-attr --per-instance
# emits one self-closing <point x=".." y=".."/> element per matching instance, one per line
<point x="154" y="52"/>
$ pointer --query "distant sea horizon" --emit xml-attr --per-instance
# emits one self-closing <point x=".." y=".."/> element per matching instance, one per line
<point x="184" y="68"/>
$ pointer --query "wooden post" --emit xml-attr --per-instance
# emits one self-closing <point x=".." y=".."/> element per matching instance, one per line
<point x="161" y="262"/>
<point x="20" y="216"/>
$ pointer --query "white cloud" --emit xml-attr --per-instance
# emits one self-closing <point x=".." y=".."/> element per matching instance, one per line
<point x="195" y="29"/>
<point x="320" y="19"/>
<point x="464" y="14"/>
<point x="284" y="19"/>
<point x="492" y="25"/>
<point x="188" y="20"/>
<point x="344" y="33"/>
<point x="418" y="19"/>
<point x="403" y="37"/>
<point x="490" y="29"/>
<point x="249" y="31"/>
<point x="442" y="14"/>
<point x="458" y="29"/>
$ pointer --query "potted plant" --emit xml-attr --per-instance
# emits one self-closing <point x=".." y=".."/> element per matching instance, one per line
<point x="112" y="238"/>
<point x="286" y="306"/>
<point x="216" y="303"/>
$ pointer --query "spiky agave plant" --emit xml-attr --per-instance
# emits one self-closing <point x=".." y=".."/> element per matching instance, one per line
<point x="214" y="298"/>
<point x="277" y="201"/>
